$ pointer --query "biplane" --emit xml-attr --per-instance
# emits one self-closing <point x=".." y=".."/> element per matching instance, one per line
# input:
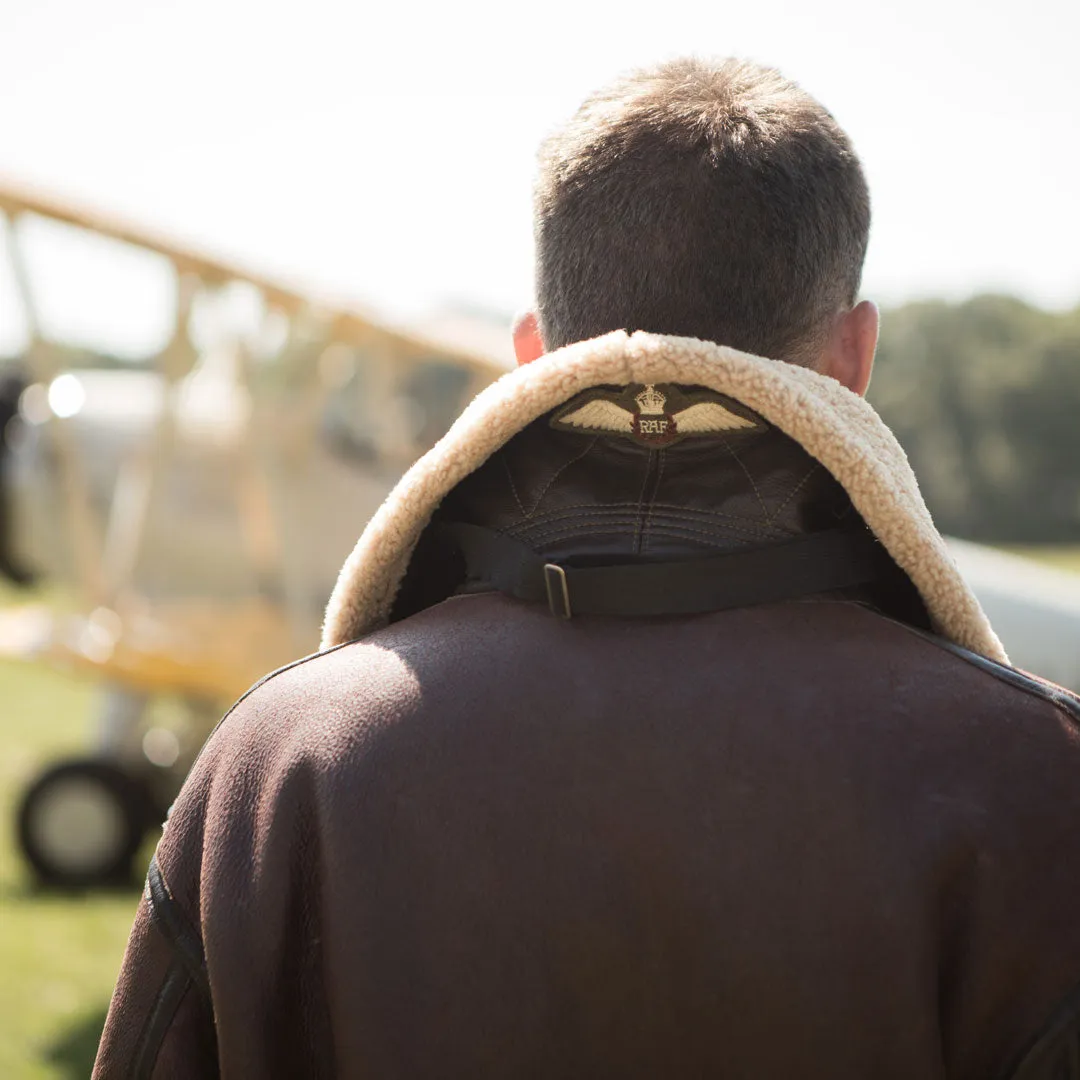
<point x="189" y="508"/>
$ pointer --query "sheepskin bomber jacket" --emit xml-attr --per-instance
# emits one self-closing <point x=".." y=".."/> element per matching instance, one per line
<point x="654" y="734"/>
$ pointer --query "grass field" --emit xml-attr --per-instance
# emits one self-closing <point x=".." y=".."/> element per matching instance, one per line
<point x="59" y="954"/>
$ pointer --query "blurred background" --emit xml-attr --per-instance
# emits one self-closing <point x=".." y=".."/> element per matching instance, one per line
<point x="252" y="264"/>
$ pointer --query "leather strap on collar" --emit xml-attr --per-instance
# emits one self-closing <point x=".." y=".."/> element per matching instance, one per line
<point x="819" y="562"/>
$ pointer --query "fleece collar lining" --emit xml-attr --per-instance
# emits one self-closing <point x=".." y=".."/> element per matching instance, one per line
<point x="835" y="426"/>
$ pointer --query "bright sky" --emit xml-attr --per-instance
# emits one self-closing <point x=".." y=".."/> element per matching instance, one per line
<point x="386" y="152"/>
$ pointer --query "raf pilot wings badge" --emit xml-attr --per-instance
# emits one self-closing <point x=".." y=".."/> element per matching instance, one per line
<point x="654" y="415"/>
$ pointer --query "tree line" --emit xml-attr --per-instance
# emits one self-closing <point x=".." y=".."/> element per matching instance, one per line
<point x="984" y="396"/>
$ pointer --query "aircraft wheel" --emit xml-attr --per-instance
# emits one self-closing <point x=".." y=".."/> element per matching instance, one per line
<point x="81" y="823"/>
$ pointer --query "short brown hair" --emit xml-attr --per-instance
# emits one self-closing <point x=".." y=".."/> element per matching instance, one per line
<point x="709" y="200"/>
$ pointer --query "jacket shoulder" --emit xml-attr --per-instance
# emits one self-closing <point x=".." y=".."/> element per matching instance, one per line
<point x="1037" y="714"/>
<point x="357" y="683"/>
<point x="282" y="741"/>
<point x="1037" y="689"/>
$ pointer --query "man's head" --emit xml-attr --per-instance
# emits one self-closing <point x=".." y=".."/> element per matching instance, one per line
<point x="709" y="200"/>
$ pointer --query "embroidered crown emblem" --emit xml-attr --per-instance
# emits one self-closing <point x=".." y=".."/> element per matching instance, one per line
<point x="652" y="418"/>
<point x="651" y="401"/>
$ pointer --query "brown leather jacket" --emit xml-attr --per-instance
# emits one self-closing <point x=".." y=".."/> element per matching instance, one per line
<point x="806" y="838"/>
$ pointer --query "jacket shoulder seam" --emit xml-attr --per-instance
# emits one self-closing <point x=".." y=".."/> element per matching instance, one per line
<point x="262" y="682"/>
<point x="1065" y="701"/>
<point x="167" y="916"/>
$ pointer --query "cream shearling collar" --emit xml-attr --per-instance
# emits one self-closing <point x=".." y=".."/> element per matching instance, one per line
<point x="835" y="426"/>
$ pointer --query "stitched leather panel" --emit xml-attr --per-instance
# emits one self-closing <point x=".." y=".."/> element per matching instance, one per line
<point x="589" y="499"/>
<point x="587" y="495"/>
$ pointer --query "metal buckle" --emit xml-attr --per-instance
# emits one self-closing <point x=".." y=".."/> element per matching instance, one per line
<point x="558" y="593"/>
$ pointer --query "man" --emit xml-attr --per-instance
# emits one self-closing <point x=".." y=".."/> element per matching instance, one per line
<point x="656" y="734"/>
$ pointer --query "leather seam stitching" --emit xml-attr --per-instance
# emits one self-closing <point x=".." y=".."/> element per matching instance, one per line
<point x="534" y="532"/>
<point x="641" y="503"/>
<point x="749" y="524"/>
<point x="793" y="492"/>
<point x="649" y="512"/>
<point x="663" y="529"/>
<point x="513" y="486"/>
<point x="675" y="531"/>
<point x="746" y="472"/>
<point x="558" y="472"/>
<point x="600" y="507"/>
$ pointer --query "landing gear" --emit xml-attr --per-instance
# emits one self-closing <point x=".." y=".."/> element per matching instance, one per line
<point x="81" y="824"/>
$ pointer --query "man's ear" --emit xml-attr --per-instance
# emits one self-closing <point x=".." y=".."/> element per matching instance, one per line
<point x="848" y="355"/>
<point x="528" y="345"/>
